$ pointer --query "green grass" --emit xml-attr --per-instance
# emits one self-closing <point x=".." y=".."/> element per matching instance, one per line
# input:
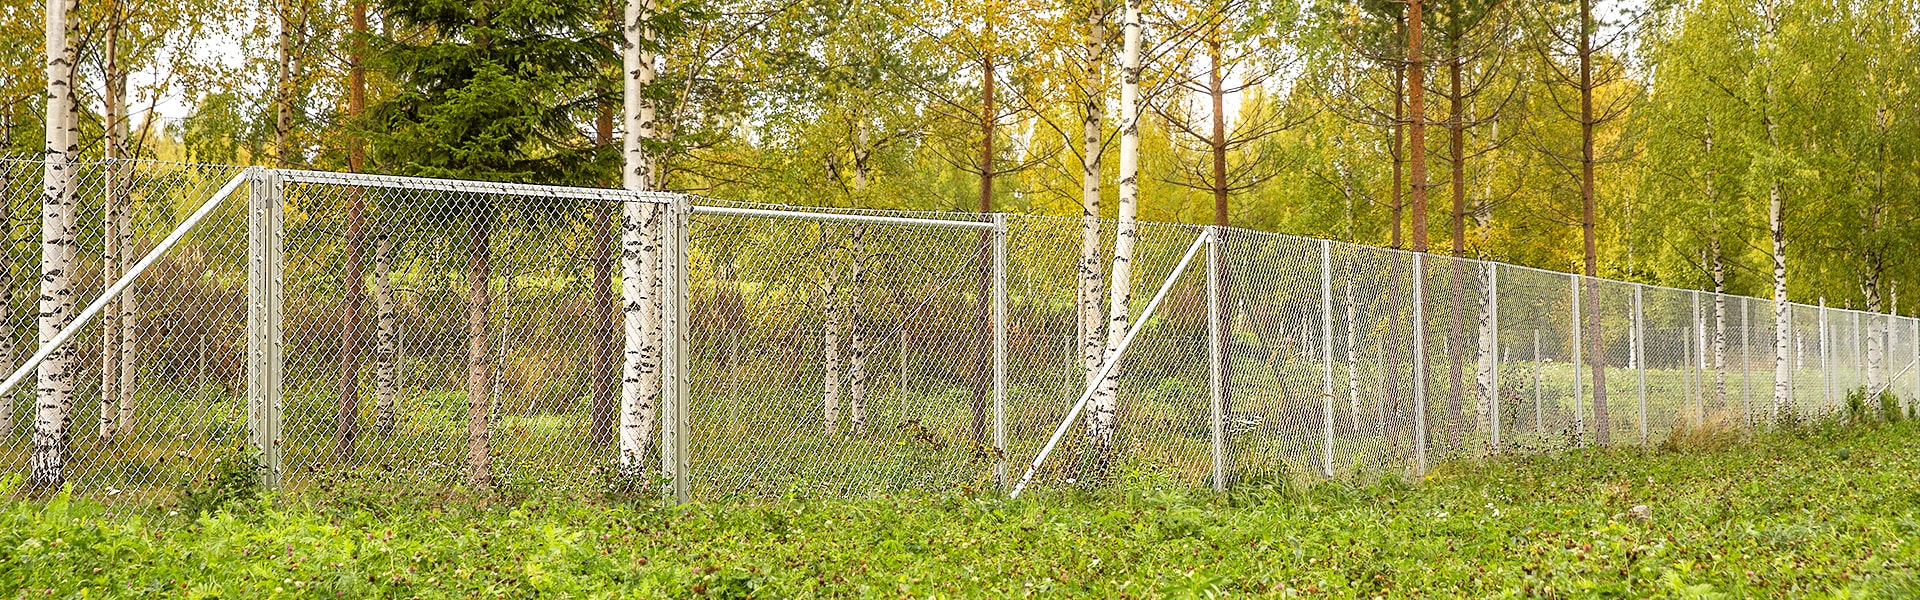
<point x="1821" y="511"/>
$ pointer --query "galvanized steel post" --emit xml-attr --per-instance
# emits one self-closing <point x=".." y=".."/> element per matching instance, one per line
<point x="1216" y="355"/>
<point x="266" y="248"/>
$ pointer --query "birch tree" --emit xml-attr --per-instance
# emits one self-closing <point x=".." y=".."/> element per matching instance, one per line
<point x="113" y="221"/>
<point x="1100" y="419"/>
<point x="46" y="469"/>
<point x="639" y="224"/>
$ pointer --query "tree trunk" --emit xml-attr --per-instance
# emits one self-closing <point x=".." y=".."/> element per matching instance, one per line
<point x="1093" y="110"/>
<point x="46" y="470"/>
<point x="639" y="244"/>
<point x="988" y="119"/>
<point x="1397" y="207"/>
<point x="1456" y="163"/>
<point x="856" y="335"/>
<point x="1782" y="324"/>
<point x="1485" y="406"/>
<point x="114" y="101"/>
<point x="479" y="274"/>
<point x="1595" y="357"/>
<point x="830" y="335"/>
<point x="1719" y="268"/>
<point x="1217" y="145"/>
<point x="501" y="338"/>
<point x="386" y="386"/>
<point x="600" y="373"/>
<point x="1417" y="124"/>
<point x="283" y="87"/>
<point x="1100" y="423"/>
<point x="347" y="419"/>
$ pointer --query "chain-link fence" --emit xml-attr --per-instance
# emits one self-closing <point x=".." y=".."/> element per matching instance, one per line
<point x="432" y="332"/>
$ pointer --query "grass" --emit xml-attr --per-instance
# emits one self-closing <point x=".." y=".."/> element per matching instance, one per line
<point x="1824" y="510"/>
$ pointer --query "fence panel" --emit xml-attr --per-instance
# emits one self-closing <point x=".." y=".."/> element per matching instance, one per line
<point x="849" y="357"/>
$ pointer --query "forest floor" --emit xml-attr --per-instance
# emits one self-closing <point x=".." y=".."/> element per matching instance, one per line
<point x="1819" y="511"/>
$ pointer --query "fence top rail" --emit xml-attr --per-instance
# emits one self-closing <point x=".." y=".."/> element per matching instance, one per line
<point x="790" y="213"/>
<point x="472" y="187"/>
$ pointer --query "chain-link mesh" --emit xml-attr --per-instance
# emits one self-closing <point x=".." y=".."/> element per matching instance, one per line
<point x="846" y="351"/>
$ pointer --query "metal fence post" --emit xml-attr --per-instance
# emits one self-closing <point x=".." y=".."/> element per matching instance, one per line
<point x="1000" y="347"/>
<point x="1826" y="356"/>
<point x="1216" y="353"/>
<point x="1419" y="365"/>
<point x="1326" y="355"/>
<point x="1579" y="415"/>
<point x="1746" y="361"/>
<point x="674" y="373"/>
<point x="1493" y="341"/>
<point x="265" y="360"/>
<point x="1640" y="355"/>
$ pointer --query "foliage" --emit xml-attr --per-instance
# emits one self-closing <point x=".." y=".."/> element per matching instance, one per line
<point x="1780" y="515"/>
<point x="234" y="479"/>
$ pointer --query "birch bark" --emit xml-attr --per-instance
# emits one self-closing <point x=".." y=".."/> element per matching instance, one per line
<point x="385" y="385"/>
<point x="114" y="102"/>
<point x="639" y="241"/>
<point x="1093" y="111"/>
<point x="46" y="470"/>
<point x="1100" y="422"/>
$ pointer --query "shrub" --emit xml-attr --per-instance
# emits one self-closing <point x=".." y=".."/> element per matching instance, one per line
<point x="234" y="477"/>
<point x="1890" y="407"/>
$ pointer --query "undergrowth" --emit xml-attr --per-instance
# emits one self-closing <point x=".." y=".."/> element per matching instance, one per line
<point x="1812" y="510"/>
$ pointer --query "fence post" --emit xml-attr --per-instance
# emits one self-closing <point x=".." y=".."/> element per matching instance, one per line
<point x="674" y="374"/>
<point x="1640" y="355"/>
<point x="1326" y="356"/>
<point x="265" y="361"/>
<point x="1826" y="356"/>
<point x="1493" y="342"/>
<point x="1579" y="415"/>
<point x="1746" y="361"/>
<point x="1000" y="347"/>
<point x="1216" y="353"/>
<point x="1419" y="365"/>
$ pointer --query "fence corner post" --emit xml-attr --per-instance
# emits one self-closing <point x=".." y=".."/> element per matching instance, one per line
<point x="266" y="239"/>
<point x="1326" y="357"/>
<point x="1420" y="364"/>
<point x="1640" y="355"/>
<point x="1216" y="357"/>
<point x="674" y="372"/>
<point x="1493" y="343"/>
<point x="999" y="347"/>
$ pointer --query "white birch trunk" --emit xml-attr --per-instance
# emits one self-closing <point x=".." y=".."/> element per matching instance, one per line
<point x="46" y="469"/>
<point x="1100" y="422"/>
<point x="1353" y="361"/>
<point x="1093" y="110"/>
<point x="1783" y="334"/>
<point x="830" y="337"/>
<point x="856" y="339"/>
<point x="1719" y="327"/>
<point x="856" y="336"/>
<point x="1483" y="371"/>
<point x="502" y="343"/>
<point x="638" y="244"/>
<point x="385" y="385"/>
